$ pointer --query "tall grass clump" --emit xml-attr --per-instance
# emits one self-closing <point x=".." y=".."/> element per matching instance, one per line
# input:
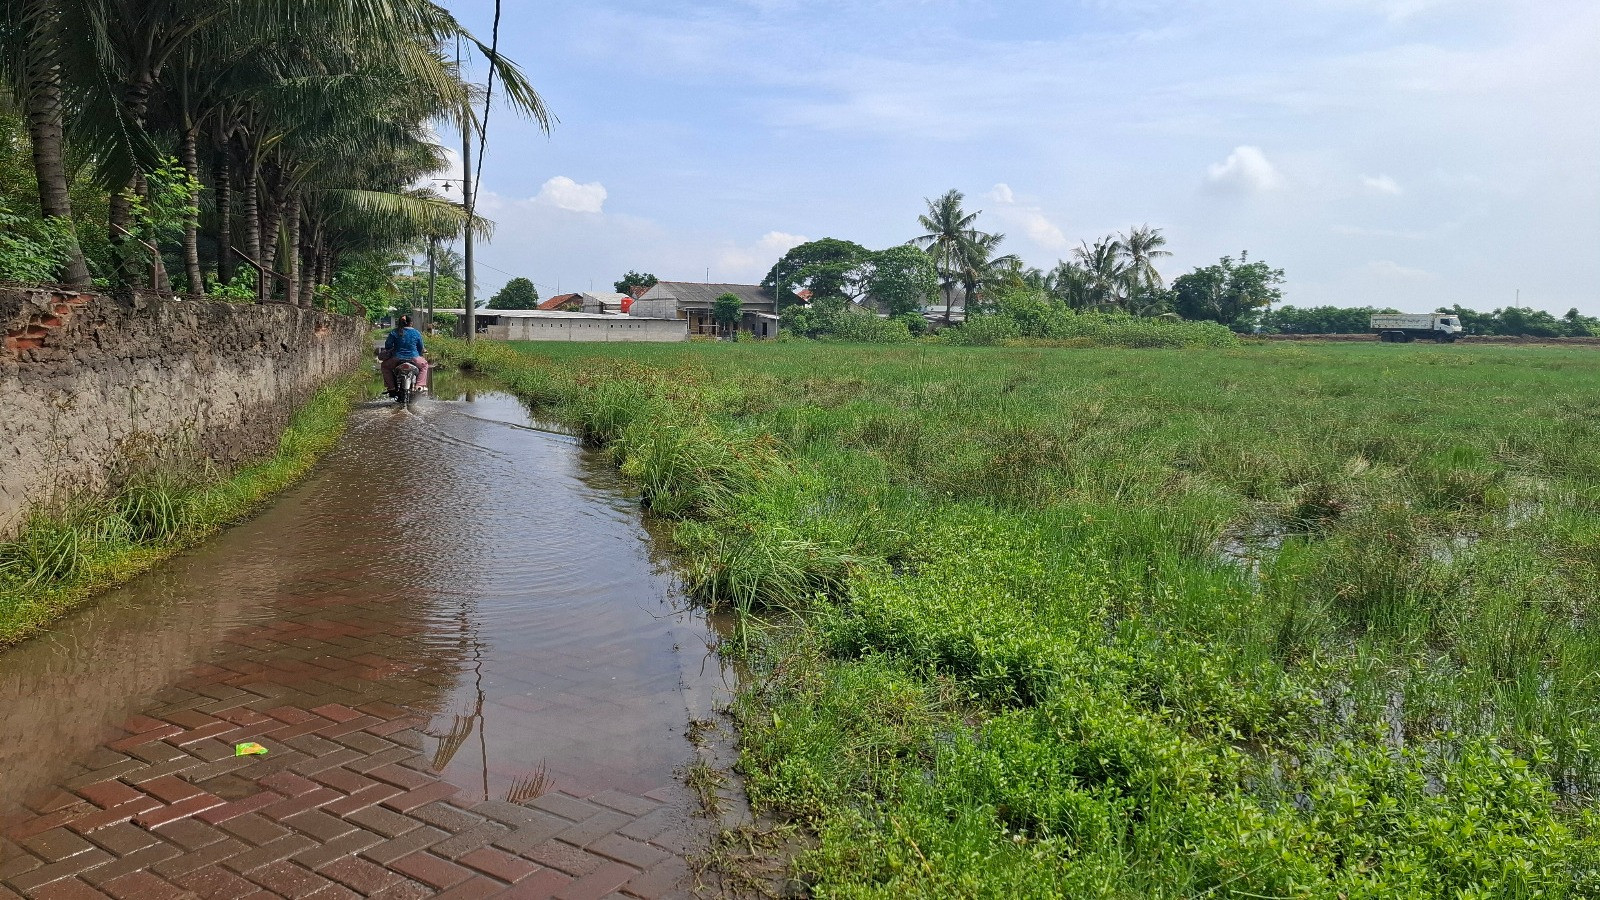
<point x="1113" y="621"/>
<point x="63" y="556"/>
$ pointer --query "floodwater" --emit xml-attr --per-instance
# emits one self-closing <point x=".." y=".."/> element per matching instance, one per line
<point x="453" y="560"/>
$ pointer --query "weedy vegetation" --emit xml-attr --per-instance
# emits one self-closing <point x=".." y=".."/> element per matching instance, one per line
<point x="64" y="556"/>
<point x="1284" y="621"/>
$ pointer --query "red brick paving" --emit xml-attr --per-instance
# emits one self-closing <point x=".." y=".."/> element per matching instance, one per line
<point x="332" y="811"/>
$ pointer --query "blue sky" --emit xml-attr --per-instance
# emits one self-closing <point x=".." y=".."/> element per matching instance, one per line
<point x="1392" y="152"/>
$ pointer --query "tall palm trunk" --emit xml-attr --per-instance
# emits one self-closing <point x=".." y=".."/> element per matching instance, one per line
<point x="291" y="219"/>
<point x="271" y="219"/>
<point x="252" y="224"/>
<point x="224" y="214"/>
<point x="191" y="224"/>
<point x="49" y="166"/>
<point x="134" y="103"/>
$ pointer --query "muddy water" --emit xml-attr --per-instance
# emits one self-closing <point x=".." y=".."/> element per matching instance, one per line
<point x="452" y="559"/>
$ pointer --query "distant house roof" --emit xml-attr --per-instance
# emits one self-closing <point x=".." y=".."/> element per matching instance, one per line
<point x="690" y="293"/>
<point x="561" y="300"/>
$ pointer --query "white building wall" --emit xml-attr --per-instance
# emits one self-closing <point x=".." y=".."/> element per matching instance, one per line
<point x="619" y="328"/>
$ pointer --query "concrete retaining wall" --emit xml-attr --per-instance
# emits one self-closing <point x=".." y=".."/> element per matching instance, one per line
<point x="595" y="328"/>
<point x="93" y="389"/>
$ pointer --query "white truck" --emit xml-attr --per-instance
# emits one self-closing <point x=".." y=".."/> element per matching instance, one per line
<point x="1403" y="328"/>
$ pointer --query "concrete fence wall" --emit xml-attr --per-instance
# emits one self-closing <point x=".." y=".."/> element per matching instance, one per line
<point x="609" y="328"/>
<point x="93" y="389"/>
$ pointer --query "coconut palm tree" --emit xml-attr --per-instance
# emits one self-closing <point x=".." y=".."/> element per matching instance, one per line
<point x="1141" y="247"/>
<point x="1105" y="272"/>
<point x="950" y="239"/>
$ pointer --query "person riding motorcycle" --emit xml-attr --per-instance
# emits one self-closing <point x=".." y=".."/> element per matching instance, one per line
<point x="403" y="344"/>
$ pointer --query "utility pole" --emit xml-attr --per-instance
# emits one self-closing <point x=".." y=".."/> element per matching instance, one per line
<point x="433" y="274"/>
<point x="467" y="200"/>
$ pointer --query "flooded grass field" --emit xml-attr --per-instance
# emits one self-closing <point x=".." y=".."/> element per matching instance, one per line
<point x="1287" y="621"/>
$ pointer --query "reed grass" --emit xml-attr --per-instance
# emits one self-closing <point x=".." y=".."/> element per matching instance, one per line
<point x="1281" y="621"/>
<point x="64" y="556"/>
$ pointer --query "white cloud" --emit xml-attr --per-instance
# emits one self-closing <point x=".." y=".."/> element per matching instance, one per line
<point x="1246" y="170"/>
<point x="1382" y="184"/>
<point x="1028" y="219"/>
<point x="564" y="193"/>
<point x="741" y="264"/>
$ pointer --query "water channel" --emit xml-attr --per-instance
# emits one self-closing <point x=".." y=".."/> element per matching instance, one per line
<point x="453" y="560"/>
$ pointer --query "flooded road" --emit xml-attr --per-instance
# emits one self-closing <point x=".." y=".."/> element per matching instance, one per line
<point x="458" y="620"/>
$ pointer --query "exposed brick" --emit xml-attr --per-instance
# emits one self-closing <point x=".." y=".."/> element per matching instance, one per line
<point x="289" y="784"/>
<point x="136" y="861"/>
<point x="623" y="850"/>
<point x="360" y="874"/>
<point x="598" y="883"/>
<point x="430" y="869"/>
<point x="541" y="885"/>
<point x="400" y="777"/>
<point x="421" y="796"/>
<point x="105" y="794"/>
<point x="475" y="888"/>
<point x="404" y="890"/>
<point x="56" y="844"/>
<point x="336" y="712"/>
<point x="318" y="824"/>
<point x="169" y="789"/>
<point x="565" y="806"/>
<point x="343" y="780"/>
<point x="212" y="882"/>
<point x="29" y="882"/>
<point x="220" y="814"/>
<point x="155" y="818"/>
<point x="594" y="827"/>
<point x="67" y="889"/>
<point x="533" y="834"/>
<point x="143" y="886"/>
<point x="191" y="834"/>
<point x="288" y="880"/>
<point x="199" y="859"/>
<point x="295" y="805"/>
<point x="443" y="815"/>
<point x="411" y="842"/>
<point x="336" y="849"/>
<point x="254" y="829"/>
<point x="142" y="738"/>
<point x="362" y="799"/>
<point x="122" y="812"/>
<point x="124" y="838"/>
<point x="389" y="824"/>
<point x="282" y="848"/>
<point x="501" y="865"/>
<point x="335" y="758"/>
<point x="565" y="857"/>
<point x="380" y="759"/>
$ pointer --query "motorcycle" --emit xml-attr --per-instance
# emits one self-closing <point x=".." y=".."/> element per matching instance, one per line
<point x="405" y="382"/>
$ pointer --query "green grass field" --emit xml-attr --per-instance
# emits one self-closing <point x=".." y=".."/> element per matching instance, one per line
<point x="1270" y="621"/>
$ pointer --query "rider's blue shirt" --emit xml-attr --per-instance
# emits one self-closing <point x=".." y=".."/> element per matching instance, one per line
<point x="404" y="343"/>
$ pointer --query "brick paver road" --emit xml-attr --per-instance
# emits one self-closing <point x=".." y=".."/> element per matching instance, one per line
<point x="345" y="804"/>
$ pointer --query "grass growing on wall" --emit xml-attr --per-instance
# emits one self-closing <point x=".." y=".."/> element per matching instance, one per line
<point x="61" y="559"/>
<point x="1278" y="621"/>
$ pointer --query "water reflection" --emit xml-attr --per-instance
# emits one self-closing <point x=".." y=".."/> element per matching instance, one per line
<point x="451" y="557"/>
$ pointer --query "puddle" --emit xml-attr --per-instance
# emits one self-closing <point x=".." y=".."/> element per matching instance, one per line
<point x="456" y="558"/>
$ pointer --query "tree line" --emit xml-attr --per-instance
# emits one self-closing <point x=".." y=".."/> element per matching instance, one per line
<point x="264" y="149"/>
<point x="954" y="264"/>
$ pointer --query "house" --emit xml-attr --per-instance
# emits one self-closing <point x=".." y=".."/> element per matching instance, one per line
<point x="563" y="303"/>
<point x="605" y="304"/>
<point x="692" y="302"/>
<point x="555" y="325"/>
